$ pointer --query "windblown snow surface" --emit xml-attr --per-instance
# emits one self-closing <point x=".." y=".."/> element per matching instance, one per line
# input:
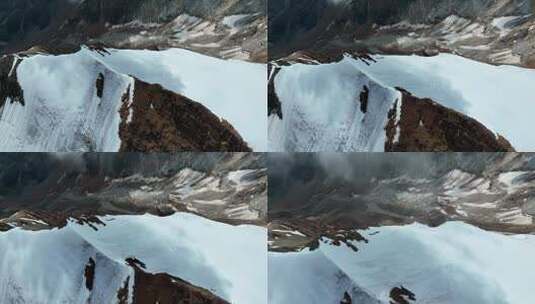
<point x="453" y="263"/>
<point x="321" y="109"/>
<point x="320" y="103"/>
<point x="48" y="266"/>
<point x="62" y="111"/>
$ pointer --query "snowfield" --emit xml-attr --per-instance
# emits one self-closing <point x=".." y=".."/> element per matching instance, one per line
<point x="453" y="263"/>
<point x="62" y="111"/>
<point x="230" y="261"/>
<point x="322" y="112"/>
<point x="500" y="97"/>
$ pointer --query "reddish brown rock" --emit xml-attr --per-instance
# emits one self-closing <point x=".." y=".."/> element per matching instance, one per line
<point x="428" y="126"/>
<point x="164" y="121"/>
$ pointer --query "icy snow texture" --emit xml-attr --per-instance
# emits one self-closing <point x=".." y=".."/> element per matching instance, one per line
<point x="228" y="260"/>
<point x="321" y="109"/>
<point x="453" y="263"/>
<point x="62" y="111"/>
<point x="500" y="97"/>
<point x="233" y="90"/>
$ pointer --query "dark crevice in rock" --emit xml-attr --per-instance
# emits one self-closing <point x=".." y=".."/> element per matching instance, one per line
<point x="163" y="121"/>
<point x="89" y="274"/>
<point x="363" y="97"/>
<point x="9" y="85"/>
<point x="100" y="85"/>
<point x="274" y="104"/>
<point x="122" y="293"/>
<point x="165" y="289"/>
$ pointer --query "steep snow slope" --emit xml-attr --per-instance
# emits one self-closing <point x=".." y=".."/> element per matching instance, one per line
<point x="63" y="111"/>
<point x="322" y="103"/>
<point x="453" y="263"/>
<point x="500" y="97"/>
<point x="230" y="261"/>
<point x="232" y="89"/>
<point x="324" y="109"/>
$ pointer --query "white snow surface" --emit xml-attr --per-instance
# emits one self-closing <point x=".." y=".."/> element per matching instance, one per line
<point x="453" y="263"/>
<point x="62" y="111"/>
<point x="321" y="109"/>
<point x="500" y="97"/>
<point x="230" y="261"/>
<point x="233" y="90"/>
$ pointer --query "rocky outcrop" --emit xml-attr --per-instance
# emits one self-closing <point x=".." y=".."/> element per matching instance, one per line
<point x="164" y="121"/>
<point x="428" y="126"/>
<point x="166" y="289"/>
<point x="10" y="90"/>
<point x="40" y="191"/>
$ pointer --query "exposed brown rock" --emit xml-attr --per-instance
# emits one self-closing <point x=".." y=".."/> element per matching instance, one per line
<point x="164" y="121"/>
<point x="428" y="126"/>
<point x="9" y="85"/>
<point x="166" y="289"/>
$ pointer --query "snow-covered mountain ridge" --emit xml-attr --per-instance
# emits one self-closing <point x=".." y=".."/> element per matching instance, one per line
<point x="408" y="264"/>
<point x="356" y="102"/>
<point x="45" y="108"/>
<point x="111" y="262"/>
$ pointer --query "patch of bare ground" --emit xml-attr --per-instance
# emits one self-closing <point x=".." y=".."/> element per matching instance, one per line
<point x="428" y="126"/>
<point x="164" y="121"/>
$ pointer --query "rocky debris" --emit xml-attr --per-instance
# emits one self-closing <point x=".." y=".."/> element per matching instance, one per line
<point x="163" y="121"/>
<point x="401" y="295"/>
<point x="428" y="126"/>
